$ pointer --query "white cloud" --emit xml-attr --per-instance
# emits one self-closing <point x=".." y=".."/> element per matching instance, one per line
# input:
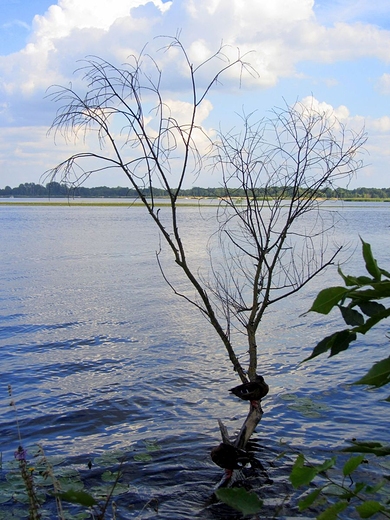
<point x="60" y="20"/>
<point x="384" y="84"/>
<point x="379" y="125"/>
<point x="341" y="113"/>
<point x="251" y="15"/>
<point x="67" y="32"/>
<point x="282" y="33"/>
<point x="22" y="151"/>
<point x="181" y="111"/>
<point x="17" y="23"/>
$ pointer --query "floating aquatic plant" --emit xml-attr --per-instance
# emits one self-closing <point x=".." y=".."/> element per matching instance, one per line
<point x="33" y="479"/>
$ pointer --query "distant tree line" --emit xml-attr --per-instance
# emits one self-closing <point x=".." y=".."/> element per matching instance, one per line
<point x="55" y="189"/>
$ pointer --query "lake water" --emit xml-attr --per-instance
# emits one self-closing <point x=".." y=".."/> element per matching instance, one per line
<point x="101" y="355"/>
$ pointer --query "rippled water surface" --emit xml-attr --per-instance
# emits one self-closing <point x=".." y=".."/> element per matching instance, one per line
<point x="102" y="355"/>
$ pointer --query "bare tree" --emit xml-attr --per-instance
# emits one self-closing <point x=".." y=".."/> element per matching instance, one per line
<point x="272" y="172"/>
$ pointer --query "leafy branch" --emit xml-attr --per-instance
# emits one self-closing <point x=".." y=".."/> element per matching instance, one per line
<point x="342" y="493"/>
<point x="362" y="305"/>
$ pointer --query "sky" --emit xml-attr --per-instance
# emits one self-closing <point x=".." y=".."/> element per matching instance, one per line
<point x="334" y="52"/>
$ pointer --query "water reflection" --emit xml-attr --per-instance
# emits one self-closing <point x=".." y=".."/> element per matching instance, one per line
<point x="101" y="355"/>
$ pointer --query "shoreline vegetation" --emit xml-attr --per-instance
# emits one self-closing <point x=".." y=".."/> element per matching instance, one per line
<point x="136" y="203"/>
<point x="100" y="196"/>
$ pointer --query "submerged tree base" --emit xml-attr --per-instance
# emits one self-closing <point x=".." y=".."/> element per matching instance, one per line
<point x="231" y="455"/>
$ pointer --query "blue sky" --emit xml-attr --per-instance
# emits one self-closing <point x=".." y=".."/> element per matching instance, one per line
<point x="334" y="51"/>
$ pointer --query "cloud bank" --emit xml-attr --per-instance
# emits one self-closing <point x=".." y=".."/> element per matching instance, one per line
<point x="294" y="46"/>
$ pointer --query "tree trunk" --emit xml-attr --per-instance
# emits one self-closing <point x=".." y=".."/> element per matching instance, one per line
<point x="253" y="418"/>
<point x="251" y="332"/>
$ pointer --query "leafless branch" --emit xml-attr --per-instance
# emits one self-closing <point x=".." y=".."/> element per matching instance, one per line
<point x="272" y="171"/>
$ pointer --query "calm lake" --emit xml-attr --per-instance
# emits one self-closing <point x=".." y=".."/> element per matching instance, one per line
<point x="101" y="355"/>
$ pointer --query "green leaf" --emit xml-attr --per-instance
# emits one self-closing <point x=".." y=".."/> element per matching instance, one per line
<point x="309" y="499"/>
<point x="385" y="273"/>
<point x="345" y="494"/>
<point x="352" y="464"/>
<point x="341" y="341"/>
<point x="349" y="281"/>
<point x="109" y="458"/>
<point x="6" y="492"/>
<point x="327" y="299"/>
<point x="350" y="494"/>
<point x="336" y="343"/>
<point x="308" y="407"/>
<point x="362" y="329"/>
<point x="376" y="448"/>
<point x="371" y="263"/>
<point x="364" y="280"/>
<point x="377" y="291"/>
<point x="152" y="445"/>
<point x="84" y="515"/>
<point x="302" y="475"/>
<point x="378" y="375"/>
<point x="371" y="308"/>
<point x="109" y="476"/>
<point x="70" y="483"/>
<point x="78" y="497"/>
<point x="143" y="457"/>
<point x="351" y="316"/>
<point x="323" y="346"/>
<point x="359" y="486"/>
<point x="329" y="463"/>
<point x="240" y="500"/>
<point x="332" y="512"/>
<point x="377" y="487"/>
<point x="102" y="491"/>
<point x="369" y="508"/>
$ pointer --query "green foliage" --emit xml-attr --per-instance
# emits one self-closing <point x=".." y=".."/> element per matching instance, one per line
<point x="305" y="405"/>
<point x="150" y="447"/>
<point x="331" y="513"/>
<point x="378" y="375"/>
<point x="369" y="508"/>
<point x="78" y="497"/>
<point x="361" y="305"/>
<point x="373" y="447"/>
<point x="328" y="298"/>
<point x="55" y="189"/>
<point x="30" y="483"/>
<point x="248" y="503"/>
<point x="303" y="474"/>
<point x="352" y="464"/>
<point x="42" y="477"/>
<point x="335" y="493"/>
<point x="48" y="477"/>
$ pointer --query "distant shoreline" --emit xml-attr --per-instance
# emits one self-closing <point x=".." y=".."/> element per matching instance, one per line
<point x="93" y="203"/>
<point x="106" y="202"/>
<point x="56" y="191"/>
